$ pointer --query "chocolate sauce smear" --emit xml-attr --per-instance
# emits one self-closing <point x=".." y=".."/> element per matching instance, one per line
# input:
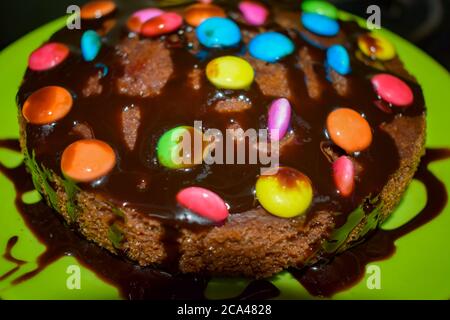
<point x="258" y="290"/>
<point x="135" y="282"/>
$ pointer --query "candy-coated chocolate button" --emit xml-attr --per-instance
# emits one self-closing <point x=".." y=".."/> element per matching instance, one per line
<point x="230" y="72"/>
<point x="270" y="46"/>
<point x="349" y="130"/>
<point x="254" y="13"/>
<point x="320" y="25"/>
<point x="279" y="118"/>
<point x="204" y="203"/>
<point x="91" y="44"/>
<point x="338" y="59"/>
<point x="176" y="148"/>
<point x="97" y="9"/>
<point x="47" y="105"/>
<point x="320" y="7"/>
<point x="48" y="56"/>
<point x="197" y="13"/>
<point x="376" y="47"/>
<point x="165" y="23"/>
<point x="393" y="90"/>
<point x="286" y="194"/>
<point x="87" y="160"/>
<point x="218" y="33"/>
<point x="140" y="17"/>
<point x="344" y="175"/>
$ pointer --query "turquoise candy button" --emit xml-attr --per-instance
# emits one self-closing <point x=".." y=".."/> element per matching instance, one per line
<point x="218" y="32"/>
<point x="91" y="44"/>
<point x="319" y="24"/>
<point x="270" y="46"/>
<point x="338" y="59"/>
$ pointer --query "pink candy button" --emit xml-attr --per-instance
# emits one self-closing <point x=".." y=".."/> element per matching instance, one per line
<point x="254" y="13"/>
<point x="166" y="23"/>
<point x="48" y="56"/>
<point x="393" y="90"/>
<point x="204" y="203"/>
<point x="279" y="118"/>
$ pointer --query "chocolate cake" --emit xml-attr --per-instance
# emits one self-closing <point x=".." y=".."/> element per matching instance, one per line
<point x="109" y="92"/>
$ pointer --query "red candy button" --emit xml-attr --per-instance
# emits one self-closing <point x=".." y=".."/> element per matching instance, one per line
<point x="97" y="9"/>
<point x="204" y="203"/>
<point x="47" y="105"/>
<point x="140" y="17"/>
<point x="87" y="160"/>
<point x="344" y="175"/>
<point x="48" y="56"/>
<point x="349" y="130"/>
<point x="393" y="90"/>
<point x="163" y="24"/>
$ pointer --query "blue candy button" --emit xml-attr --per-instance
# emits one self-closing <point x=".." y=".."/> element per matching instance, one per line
<point x="218" y="32"/>
<point x="270" y="46"/>
<point x="319" y="24"/>
<point x="338" y="59"/>
<point x="91" y="44"/>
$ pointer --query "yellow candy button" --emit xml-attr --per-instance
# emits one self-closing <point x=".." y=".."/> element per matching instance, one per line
<point x="230" y="72"/>
<point x="376" y="47"/>
<point x="286" y="194"/>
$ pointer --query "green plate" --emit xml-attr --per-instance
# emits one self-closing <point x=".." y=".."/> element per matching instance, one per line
<point x="420" y="268"/>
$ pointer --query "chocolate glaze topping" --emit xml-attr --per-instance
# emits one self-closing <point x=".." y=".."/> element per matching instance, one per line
<point x="323" y="279"/>
<point x="139" y="182"/>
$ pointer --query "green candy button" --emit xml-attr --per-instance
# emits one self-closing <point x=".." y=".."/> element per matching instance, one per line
<point x="176" y="148"/>
<point x="320" y="7"/>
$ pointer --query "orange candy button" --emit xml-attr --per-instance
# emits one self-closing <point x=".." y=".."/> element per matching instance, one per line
<point x="199" y="12"/>
<point x="349" y="130"/>
<point x="97" y="9"/>
<point x="87" y="160"/>
<point x="47" y="105"/>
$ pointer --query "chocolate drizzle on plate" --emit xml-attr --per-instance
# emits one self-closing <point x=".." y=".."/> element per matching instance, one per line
<point x="347" y="268"/>
<point x="9" y="257"/>
<point x="135" y="282"/>
<point x="132" y="281"/>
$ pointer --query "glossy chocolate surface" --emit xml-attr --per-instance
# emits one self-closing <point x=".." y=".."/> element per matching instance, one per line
<point x="178" y="104"/>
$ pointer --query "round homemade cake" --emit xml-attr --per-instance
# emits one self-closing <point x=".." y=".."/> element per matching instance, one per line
<point x="224" y="138"/>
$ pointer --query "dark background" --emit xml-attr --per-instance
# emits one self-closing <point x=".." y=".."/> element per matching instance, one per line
<point x="423" y="22"/>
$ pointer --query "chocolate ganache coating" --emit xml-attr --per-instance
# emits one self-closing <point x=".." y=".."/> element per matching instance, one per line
<point x="139" y="87"/>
